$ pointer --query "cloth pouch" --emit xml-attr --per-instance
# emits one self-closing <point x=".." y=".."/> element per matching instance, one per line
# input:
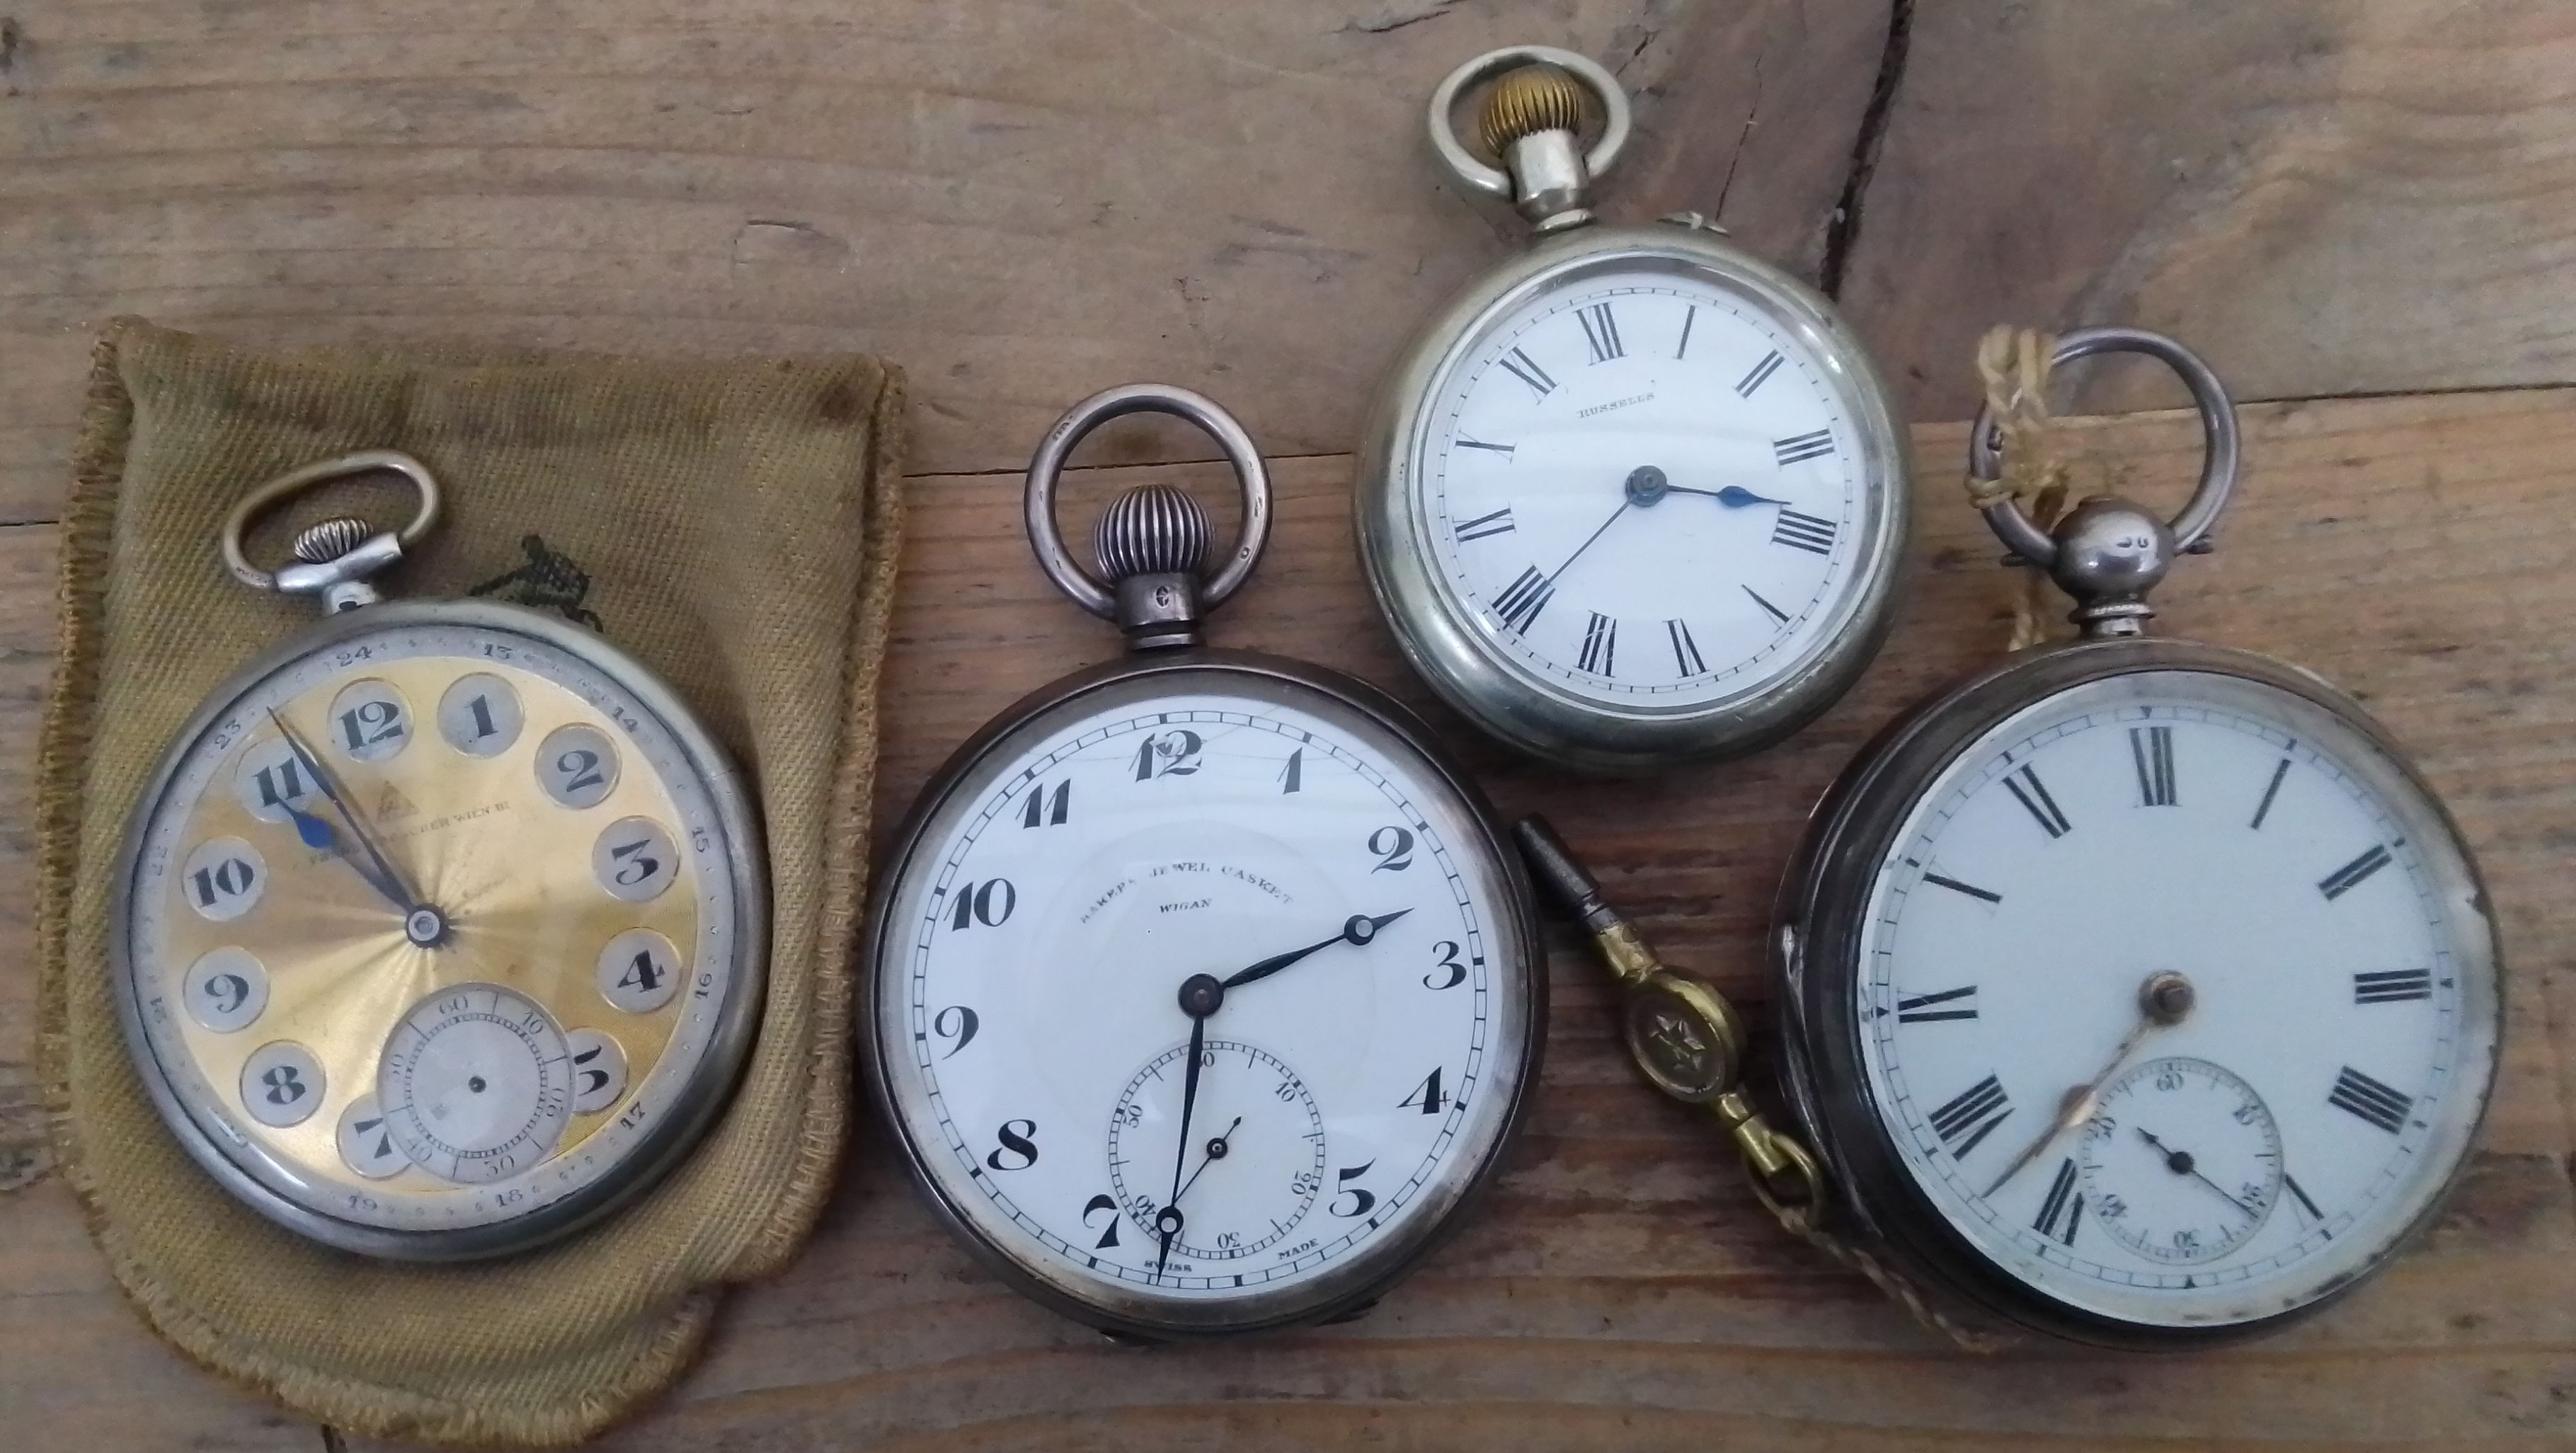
<point x="734" y="525"/>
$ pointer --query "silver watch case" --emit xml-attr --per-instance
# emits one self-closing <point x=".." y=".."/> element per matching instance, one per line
<point x="1450" y="650"/>
<point x="1815" y="945"/>
<point x="256" y="1178"/>
<point x="1353" y="1288"/>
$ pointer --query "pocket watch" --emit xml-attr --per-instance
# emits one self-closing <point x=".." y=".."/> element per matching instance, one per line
<point x="2139" y="991"/>
<point x="1634" y="497"/>
<point x="440" y="929"/>
<point x="1204" y="990"/>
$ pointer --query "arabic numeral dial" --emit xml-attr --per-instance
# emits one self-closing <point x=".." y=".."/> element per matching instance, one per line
<point x="1643" y="489"/>
<point x="1268" y="944"/>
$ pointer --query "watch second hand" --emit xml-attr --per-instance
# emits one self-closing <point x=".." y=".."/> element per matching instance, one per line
<point x="1214" y="1153"/>
<point x="2182" y="1162"/>
<point x="388" y="879"/>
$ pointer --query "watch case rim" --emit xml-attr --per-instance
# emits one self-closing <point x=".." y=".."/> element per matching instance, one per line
<point x="1812" y="968"/>
<point x="1299" y="1306"/>
<point x="1448" y="650"/>
<point x="704" y="1094"/>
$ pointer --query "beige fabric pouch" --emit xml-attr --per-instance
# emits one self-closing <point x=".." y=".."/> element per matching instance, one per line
<point x="732" y="524"/>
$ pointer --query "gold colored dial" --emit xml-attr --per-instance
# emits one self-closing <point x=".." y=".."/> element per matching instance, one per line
<point x="429" y="926"/>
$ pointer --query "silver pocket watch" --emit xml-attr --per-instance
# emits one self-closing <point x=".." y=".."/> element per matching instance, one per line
<point x="1635" y="497"/>
<point x="2139" y="991"/>
<point x="441" y="928"/>
<point x="1203" y="990"/>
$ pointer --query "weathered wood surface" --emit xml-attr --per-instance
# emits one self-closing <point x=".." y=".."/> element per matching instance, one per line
<point x="1024" y="200"/>
<point x="2325" y="197"/>
<point x="1020" y="200"/>
<point x="1622" y="1290"/>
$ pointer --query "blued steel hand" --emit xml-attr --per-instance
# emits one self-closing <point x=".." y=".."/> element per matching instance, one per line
<point x="386" y="878"/>
<point x="2180" y="1162"/>
<point x="1357" y="930"/>
<point x="1734" y="496"/>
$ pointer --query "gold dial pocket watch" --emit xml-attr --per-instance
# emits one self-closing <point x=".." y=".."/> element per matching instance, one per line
<point x="1634" y="497"/>
<point x="440" y="929"/>
<point x="2139" y="991"/>
<point x="1204" y="991"/>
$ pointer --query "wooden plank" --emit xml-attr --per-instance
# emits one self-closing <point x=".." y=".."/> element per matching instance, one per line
<point x="1622" y="1289"/>
<point x="77" y="1367"/>
<point x="1020" y="201"/>
<point x="2327" y="197"/>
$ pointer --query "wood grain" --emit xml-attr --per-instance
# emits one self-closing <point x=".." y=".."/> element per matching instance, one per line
<point x="2327" y="197"/>
<point x="1022" y="201"/>
<point x="1621" y="1289"/>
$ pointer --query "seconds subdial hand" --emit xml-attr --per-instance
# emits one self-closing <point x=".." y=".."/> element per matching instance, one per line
<point x="1201" y="996"/>
<point x="2180" y="1162"/>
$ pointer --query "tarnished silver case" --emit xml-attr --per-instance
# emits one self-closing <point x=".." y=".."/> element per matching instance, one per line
<point x="1438" y="634"/>
<point x="705" y="1093"/>
<point x="1335" y="1295"/>
<point x="1815" y="947"/>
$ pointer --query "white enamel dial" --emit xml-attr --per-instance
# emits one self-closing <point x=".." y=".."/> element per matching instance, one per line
<point x="1353" y="1079"/>
<point x="1645" y="490"/>
<point x="2236" y="1149"/>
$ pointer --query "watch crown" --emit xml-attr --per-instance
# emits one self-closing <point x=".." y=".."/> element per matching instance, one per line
<point x="1529" y="100"/>
<point x="322" y="542"/>
<point x="1152" y="529"/>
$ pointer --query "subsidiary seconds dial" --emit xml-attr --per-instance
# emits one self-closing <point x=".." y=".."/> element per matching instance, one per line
<point x="1645" y="490"/>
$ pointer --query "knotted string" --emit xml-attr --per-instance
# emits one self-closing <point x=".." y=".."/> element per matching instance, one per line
<point x="2013" y="364"/>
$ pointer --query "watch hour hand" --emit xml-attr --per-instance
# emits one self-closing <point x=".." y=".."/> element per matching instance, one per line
<point x="1734" y="496"/>
<point x="316" y="833"/>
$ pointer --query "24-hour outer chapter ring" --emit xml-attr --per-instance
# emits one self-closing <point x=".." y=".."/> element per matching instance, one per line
<point x="699" y="1099"/>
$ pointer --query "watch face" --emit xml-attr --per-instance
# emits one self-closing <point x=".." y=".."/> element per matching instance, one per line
<point x="434" y="929"/>
<point x="1357" y="1053"/>
<point x="2174" y="1001"/>
<point x="1647" y="488"/>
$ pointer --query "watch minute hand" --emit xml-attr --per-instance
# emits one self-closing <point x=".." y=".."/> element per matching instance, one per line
<point x="1170" y="1219"/>
<point x="2075" y="1109"/>
<point x="387" y="879"/>
<point x="1356" y="931"/>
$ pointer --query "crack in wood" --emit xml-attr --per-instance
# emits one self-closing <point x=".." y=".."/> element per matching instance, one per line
<point x="1842" y="232"/>
<point x="1397" y="17"/>
<point x="1743" y="136"/>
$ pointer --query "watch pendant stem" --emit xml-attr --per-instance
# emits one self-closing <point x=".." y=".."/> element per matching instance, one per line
<point x="1533" y="120"/>
<point x="1152" y="543"/>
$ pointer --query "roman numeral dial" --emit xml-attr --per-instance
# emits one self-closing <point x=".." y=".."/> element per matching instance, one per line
<point x="2162" y="999"/>
<point x="1641" y="491"/>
